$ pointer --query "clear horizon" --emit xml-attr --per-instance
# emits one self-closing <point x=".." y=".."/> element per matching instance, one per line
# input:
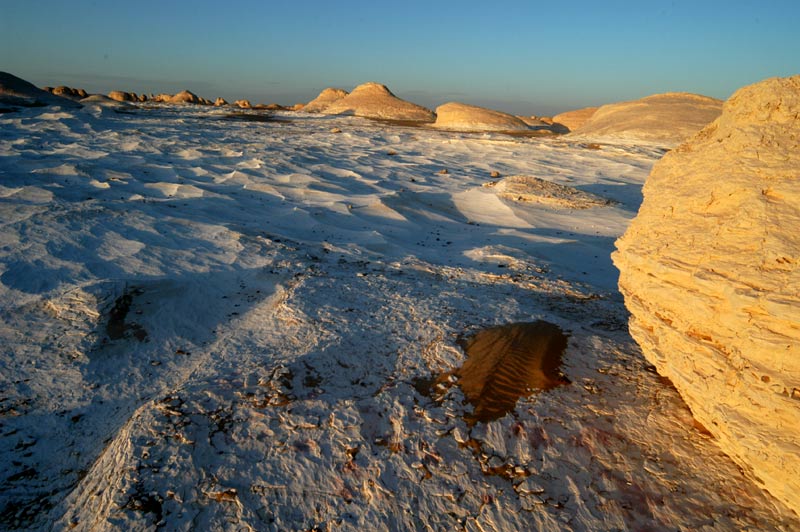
<point x="519" y="57"/>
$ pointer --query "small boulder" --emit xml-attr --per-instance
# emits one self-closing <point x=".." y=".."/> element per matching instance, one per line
<point x="243" y="104"/>
<point x="220" y="101"/>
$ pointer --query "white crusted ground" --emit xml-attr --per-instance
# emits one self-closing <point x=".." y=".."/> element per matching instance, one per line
<point x="294" y="284"/>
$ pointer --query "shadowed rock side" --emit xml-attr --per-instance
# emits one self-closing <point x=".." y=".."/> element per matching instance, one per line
<point x="534" y="189"/>
<point x="667" y="119"/>
<point x="373" y="100"/>
<point x="710" y="273"/>
<point x="16" y="92"/>
<point x="572" y="120"/>
<point x="508" y="362"/>
<point x="325" y="99"/>
<point x="462" y="117"/>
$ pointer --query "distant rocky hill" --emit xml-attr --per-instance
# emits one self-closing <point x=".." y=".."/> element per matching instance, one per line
<point x="710" y="270"/>
<point x="574" y="119"/>
<point x="325" y="99"/>
<point x="462" y="117"/>
<point x="16" y="92"/>
<point x="373" y="100"/>
<point x="668" y="118"/>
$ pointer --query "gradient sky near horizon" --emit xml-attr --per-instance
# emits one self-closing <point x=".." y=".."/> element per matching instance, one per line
<point x="523" y="57"/>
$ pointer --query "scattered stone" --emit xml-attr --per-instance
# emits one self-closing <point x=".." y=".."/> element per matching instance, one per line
<point x="524" y="188"/>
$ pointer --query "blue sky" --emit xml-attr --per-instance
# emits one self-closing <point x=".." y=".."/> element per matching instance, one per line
<point x="524" y="57"/>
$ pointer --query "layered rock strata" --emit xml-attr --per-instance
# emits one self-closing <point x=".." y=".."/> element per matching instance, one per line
<point x="710" y="271"/>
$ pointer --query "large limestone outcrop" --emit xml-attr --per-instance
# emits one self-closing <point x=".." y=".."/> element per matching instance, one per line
<point x="710" y="271"/>
<point x="667" y="119"/>
<point x="373" y="100"/>
<point x="16" y="92"/>
<point x="324" y="100"/>
<point x="572" y="120"/>
<point x="462" y="117"/>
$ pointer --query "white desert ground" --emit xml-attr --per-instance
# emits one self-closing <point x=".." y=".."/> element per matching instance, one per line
<point x="209" y="322"/>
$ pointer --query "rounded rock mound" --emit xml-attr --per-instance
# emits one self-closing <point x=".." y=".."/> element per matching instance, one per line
<point x="324" y="100"/>
<point x="122" y="96"/>
<point x="665" y="119"/>
<point x="463" y="117"/>
<point x="525" y="188"/>
<point x="572" y="120"/>
<point x="101" y="100"/>
<point x="710" y="269"/>
<point x="373" y="100"/>
<point x="16" y="92"/>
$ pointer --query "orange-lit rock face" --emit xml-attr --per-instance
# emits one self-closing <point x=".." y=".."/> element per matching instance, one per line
<point x="709" y="271"/>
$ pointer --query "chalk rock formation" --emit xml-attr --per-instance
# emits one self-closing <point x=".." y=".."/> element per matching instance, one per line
<point x="666" y="119"/>
<point x="220" y="101"/>
<point x="325" y="98"/>
<point x="100" y="100"/>
<point x="373" y="100"/>
<point x="69" y="92"/>
<point x="243" y="104"/>
<point x="710" y="270"/>
<point x="528" y="188"/>
<point x="572" y="120"/>
<point x="122" y="96"/>
<point x="16" y="92"/>
<point x="185" y="96"/>
<point x="462" y="117"/>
